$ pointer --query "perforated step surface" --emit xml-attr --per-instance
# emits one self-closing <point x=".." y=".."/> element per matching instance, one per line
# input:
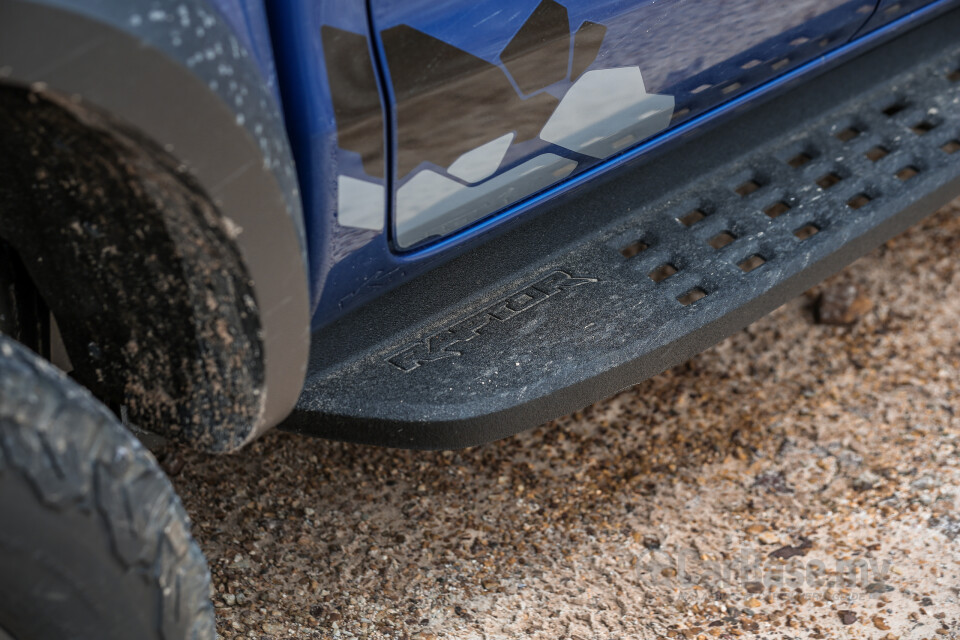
<point x="655" y="264"/>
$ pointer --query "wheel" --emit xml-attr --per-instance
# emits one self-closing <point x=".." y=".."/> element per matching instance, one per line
<point x="94" y="543"/>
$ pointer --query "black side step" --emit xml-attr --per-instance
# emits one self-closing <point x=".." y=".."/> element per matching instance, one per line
<point x="659" y="262"/>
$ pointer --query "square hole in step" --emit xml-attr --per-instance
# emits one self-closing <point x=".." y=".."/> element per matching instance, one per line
<point x="780" y="64"/>
<point x="747" y="188"/>
<point x="730" y="88"/>
<point x="721" y="240"/>
<point x="662" y="272"/>
<point x="892" y="9"/>
<point x="692" y="218"/>
<point x="907" y="172"/>
<point x="954" y="76"/>
<point x="691" y="296"/>
<point x="847" y="134"/>
<point x="701" y="88"/>
<point x="828" y="180"/>
<point x="876" y="153"/>
<point x="796" y="42"/>
<point x="750" y="64"/>
<point x="777" y="209"/>
<point x="751" y="263"/>
<point x="894" y="109"/>
<point x="858" y="201"/>
<point x="923" y="127"/>
<point x="679" y="113"/>
<point x="951" y="146"/>
<point x="634" y="248"/>
<point x="806" y="231"/>
<point x="799" y="160"/>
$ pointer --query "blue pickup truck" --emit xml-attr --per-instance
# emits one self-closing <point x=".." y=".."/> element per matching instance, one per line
<point x="416" y="223"/>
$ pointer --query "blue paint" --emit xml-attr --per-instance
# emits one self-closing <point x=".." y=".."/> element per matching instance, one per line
<point x="348" y="269"/>
<point x="248" y="18"/>
<point x="340" y="259"/>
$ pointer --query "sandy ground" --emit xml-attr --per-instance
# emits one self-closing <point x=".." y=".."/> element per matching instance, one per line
<point x="795" y="481"/>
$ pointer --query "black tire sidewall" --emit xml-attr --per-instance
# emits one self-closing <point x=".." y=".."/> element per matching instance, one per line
<point x="94" y="543"/>
<point x="59" y="577"/>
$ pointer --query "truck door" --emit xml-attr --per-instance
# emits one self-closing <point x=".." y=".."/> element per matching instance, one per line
<point x="492" y="101"/>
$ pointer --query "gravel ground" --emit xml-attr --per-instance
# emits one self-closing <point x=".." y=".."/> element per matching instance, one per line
<point x="798" y="480"/>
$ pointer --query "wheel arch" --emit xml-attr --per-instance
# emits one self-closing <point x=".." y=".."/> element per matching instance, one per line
<point x="193" y="103"/>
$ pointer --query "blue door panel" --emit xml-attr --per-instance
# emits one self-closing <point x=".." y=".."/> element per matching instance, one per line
<point x="336" y="120"/>
<point x="706" y="61"/>
<point x="495" y="100"/>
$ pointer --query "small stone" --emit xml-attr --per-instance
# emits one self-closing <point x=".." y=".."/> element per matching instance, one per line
<point x="768" y="537"/>
<point x="651" y="543"/>
<point x="847" y="616"/>
<point x="787" y="552"/>
<point x="866" y="481"/>
<point x="229" y="599"/>
<point x="842" y="305"/>
<point x="880" y="623"/>
<point x="948" y="525"/>
<point x="754" y="587"/>
<point x="754" y="529"/>
<point x="923" y="483"/>
<point x="753" y="603"/>
<point x="272" y="628"/>
<point x="878" y="587"/>
<point x="773" y="482"/>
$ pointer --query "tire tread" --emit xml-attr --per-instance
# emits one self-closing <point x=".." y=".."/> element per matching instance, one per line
<point x="75" y="455"/>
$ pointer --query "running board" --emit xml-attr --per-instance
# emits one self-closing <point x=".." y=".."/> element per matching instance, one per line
<point x="662" y="260"/>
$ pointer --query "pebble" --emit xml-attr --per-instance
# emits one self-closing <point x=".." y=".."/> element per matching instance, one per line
<point x="866" y="481"/>
<point x="847" y="616"/>
<point x="754" y="587"/>
<point x="842" y="304"/>
<point x="273" y="628"/>
<point x="880" y="623"/>
<point x="924" y="483"/>
<point x="768" y="537"/>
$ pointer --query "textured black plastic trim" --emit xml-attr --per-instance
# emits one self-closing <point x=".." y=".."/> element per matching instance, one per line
<point x="636" y="274"/>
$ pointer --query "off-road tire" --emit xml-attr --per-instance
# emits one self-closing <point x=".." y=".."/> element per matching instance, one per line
<point x="94" y="543"/>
